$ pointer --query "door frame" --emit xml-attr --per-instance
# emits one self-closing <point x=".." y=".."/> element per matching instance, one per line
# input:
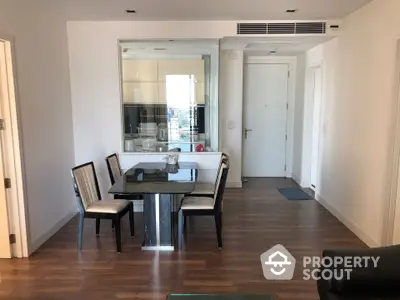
<point x="393" y="178"/>
<point x="291" y="61"/>
<point x="312" y="104"/>
<point x="14" y="168"/>
<point x="308" y="123"/>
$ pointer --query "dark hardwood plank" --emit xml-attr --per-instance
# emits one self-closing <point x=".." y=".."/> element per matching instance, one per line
<point x="255" y="218"/>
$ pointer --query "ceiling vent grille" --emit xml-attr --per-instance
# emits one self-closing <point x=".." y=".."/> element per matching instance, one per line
<point x="252" y="28"/>
<point x="311" y="27"/>
<point x="282" y="28"/>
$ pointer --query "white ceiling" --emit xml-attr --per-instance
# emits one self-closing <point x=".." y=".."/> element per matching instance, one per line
<point x="206" y="9"/>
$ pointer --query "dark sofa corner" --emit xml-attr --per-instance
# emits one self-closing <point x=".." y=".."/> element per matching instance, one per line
<point x="365" y="283"/>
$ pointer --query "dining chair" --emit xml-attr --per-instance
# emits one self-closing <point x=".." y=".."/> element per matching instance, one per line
<point x="92" y="206"/>
<point x="205" y="206"/>
<point x="115" y="172"/>
<point x="207" y="189"/>
<point x="114" y="167"/>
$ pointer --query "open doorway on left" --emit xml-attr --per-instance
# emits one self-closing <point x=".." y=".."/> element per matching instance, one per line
<point x="13" y="225"/>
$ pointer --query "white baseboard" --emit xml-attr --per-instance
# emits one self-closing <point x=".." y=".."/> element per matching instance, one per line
<point x="234" y="184"/>
<point x="44" y="237"/>
<point x="296" y="179"/>
<point x="349" y="224"/>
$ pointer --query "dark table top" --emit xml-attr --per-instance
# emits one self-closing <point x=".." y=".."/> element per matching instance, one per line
<point x="157" y="178"/>
<point x="217" y="297"/>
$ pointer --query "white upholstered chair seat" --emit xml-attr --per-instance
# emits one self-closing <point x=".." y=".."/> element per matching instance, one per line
<point x="204" y="189"/>
<point x="108" y="206"/>
<point x="191" y="203"/>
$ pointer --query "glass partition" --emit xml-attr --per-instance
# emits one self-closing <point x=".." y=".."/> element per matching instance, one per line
<point x="169" y="96"/>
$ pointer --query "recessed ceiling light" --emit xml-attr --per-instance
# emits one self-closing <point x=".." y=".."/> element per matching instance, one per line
<point x="131" y="11"/>
<point x="291" y="11"/>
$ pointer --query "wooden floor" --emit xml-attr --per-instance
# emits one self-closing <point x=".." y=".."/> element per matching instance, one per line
<point x="256" y="218"/>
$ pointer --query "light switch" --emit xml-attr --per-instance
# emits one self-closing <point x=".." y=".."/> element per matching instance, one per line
<point x="231" y="124"/>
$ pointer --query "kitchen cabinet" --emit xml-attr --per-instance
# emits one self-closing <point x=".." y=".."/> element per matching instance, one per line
<point x="140" y="92"/>
<point x="144" y="81"/>
<point x="162" y="96"/>
<point x="200" y="90"/>
<point x="162" y="93"/>
<point x="199" y="93"/>
<point x="181" y="67"/>
<point x="139" y="70"/>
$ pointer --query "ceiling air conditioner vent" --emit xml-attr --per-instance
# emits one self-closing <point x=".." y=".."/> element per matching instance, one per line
<point x="252" y="28"/>
<point x="282" y="28"/>
<point x="311" y="27"/>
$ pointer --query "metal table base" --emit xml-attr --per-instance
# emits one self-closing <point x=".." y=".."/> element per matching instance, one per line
<point x="158" y="222"/>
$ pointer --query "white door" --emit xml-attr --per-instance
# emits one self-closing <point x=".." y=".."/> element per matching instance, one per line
<point x="317" y="97"/>
<point x="5" y="247"/>
<point x="265" y="114"/>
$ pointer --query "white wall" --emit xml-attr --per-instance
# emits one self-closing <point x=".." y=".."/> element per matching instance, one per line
<point x="357" y="118"/>
<point x="95" y="81"/>
<point x="231" y="111"/>
<point x="95" y="86"/>
<point x="44" y="111"/>
<point x="298" y="119"/>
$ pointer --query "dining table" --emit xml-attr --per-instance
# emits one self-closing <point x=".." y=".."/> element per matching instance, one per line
<point x="162" y="186"/>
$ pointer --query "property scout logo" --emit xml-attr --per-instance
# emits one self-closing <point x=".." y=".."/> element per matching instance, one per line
<point x="278" y="264"/>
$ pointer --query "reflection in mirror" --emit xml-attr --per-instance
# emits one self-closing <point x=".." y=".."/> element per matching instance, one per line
<point x="170" y="96"/>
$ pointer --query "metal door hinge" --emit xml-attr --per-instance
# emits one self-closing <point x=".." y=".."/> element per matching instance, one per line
<point x="285" y="168"/>
<point x="286" y="136"/>
<point x="287" y="106"/>
<point x="12" y="239"/>
<point x="7" y="183"/>
<point x="288" y="74"/>
<point x="1" y="124"/>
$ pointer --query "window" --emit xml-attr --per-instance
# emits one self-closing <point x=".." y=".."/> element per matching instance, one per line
<point x="170" y="99"/>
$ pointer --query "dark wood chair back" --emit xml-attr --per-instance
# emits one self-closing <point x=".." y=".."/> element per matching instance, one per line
<point x="220" y="187"/>
<point x="114" y="167"/>
<point x="224" y="159"/>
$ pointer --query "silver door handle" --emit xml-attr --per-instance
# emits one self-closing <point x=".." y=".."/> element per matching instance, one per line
<point x="246" y="130"/>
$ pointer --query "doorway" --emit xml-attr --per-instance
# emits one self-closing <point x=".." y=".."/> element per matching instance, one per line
<point x="265" y="106"/>
<point x="391" y="224"/>
<point x="13" y="233"/>
<point x="316" y="94"/>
